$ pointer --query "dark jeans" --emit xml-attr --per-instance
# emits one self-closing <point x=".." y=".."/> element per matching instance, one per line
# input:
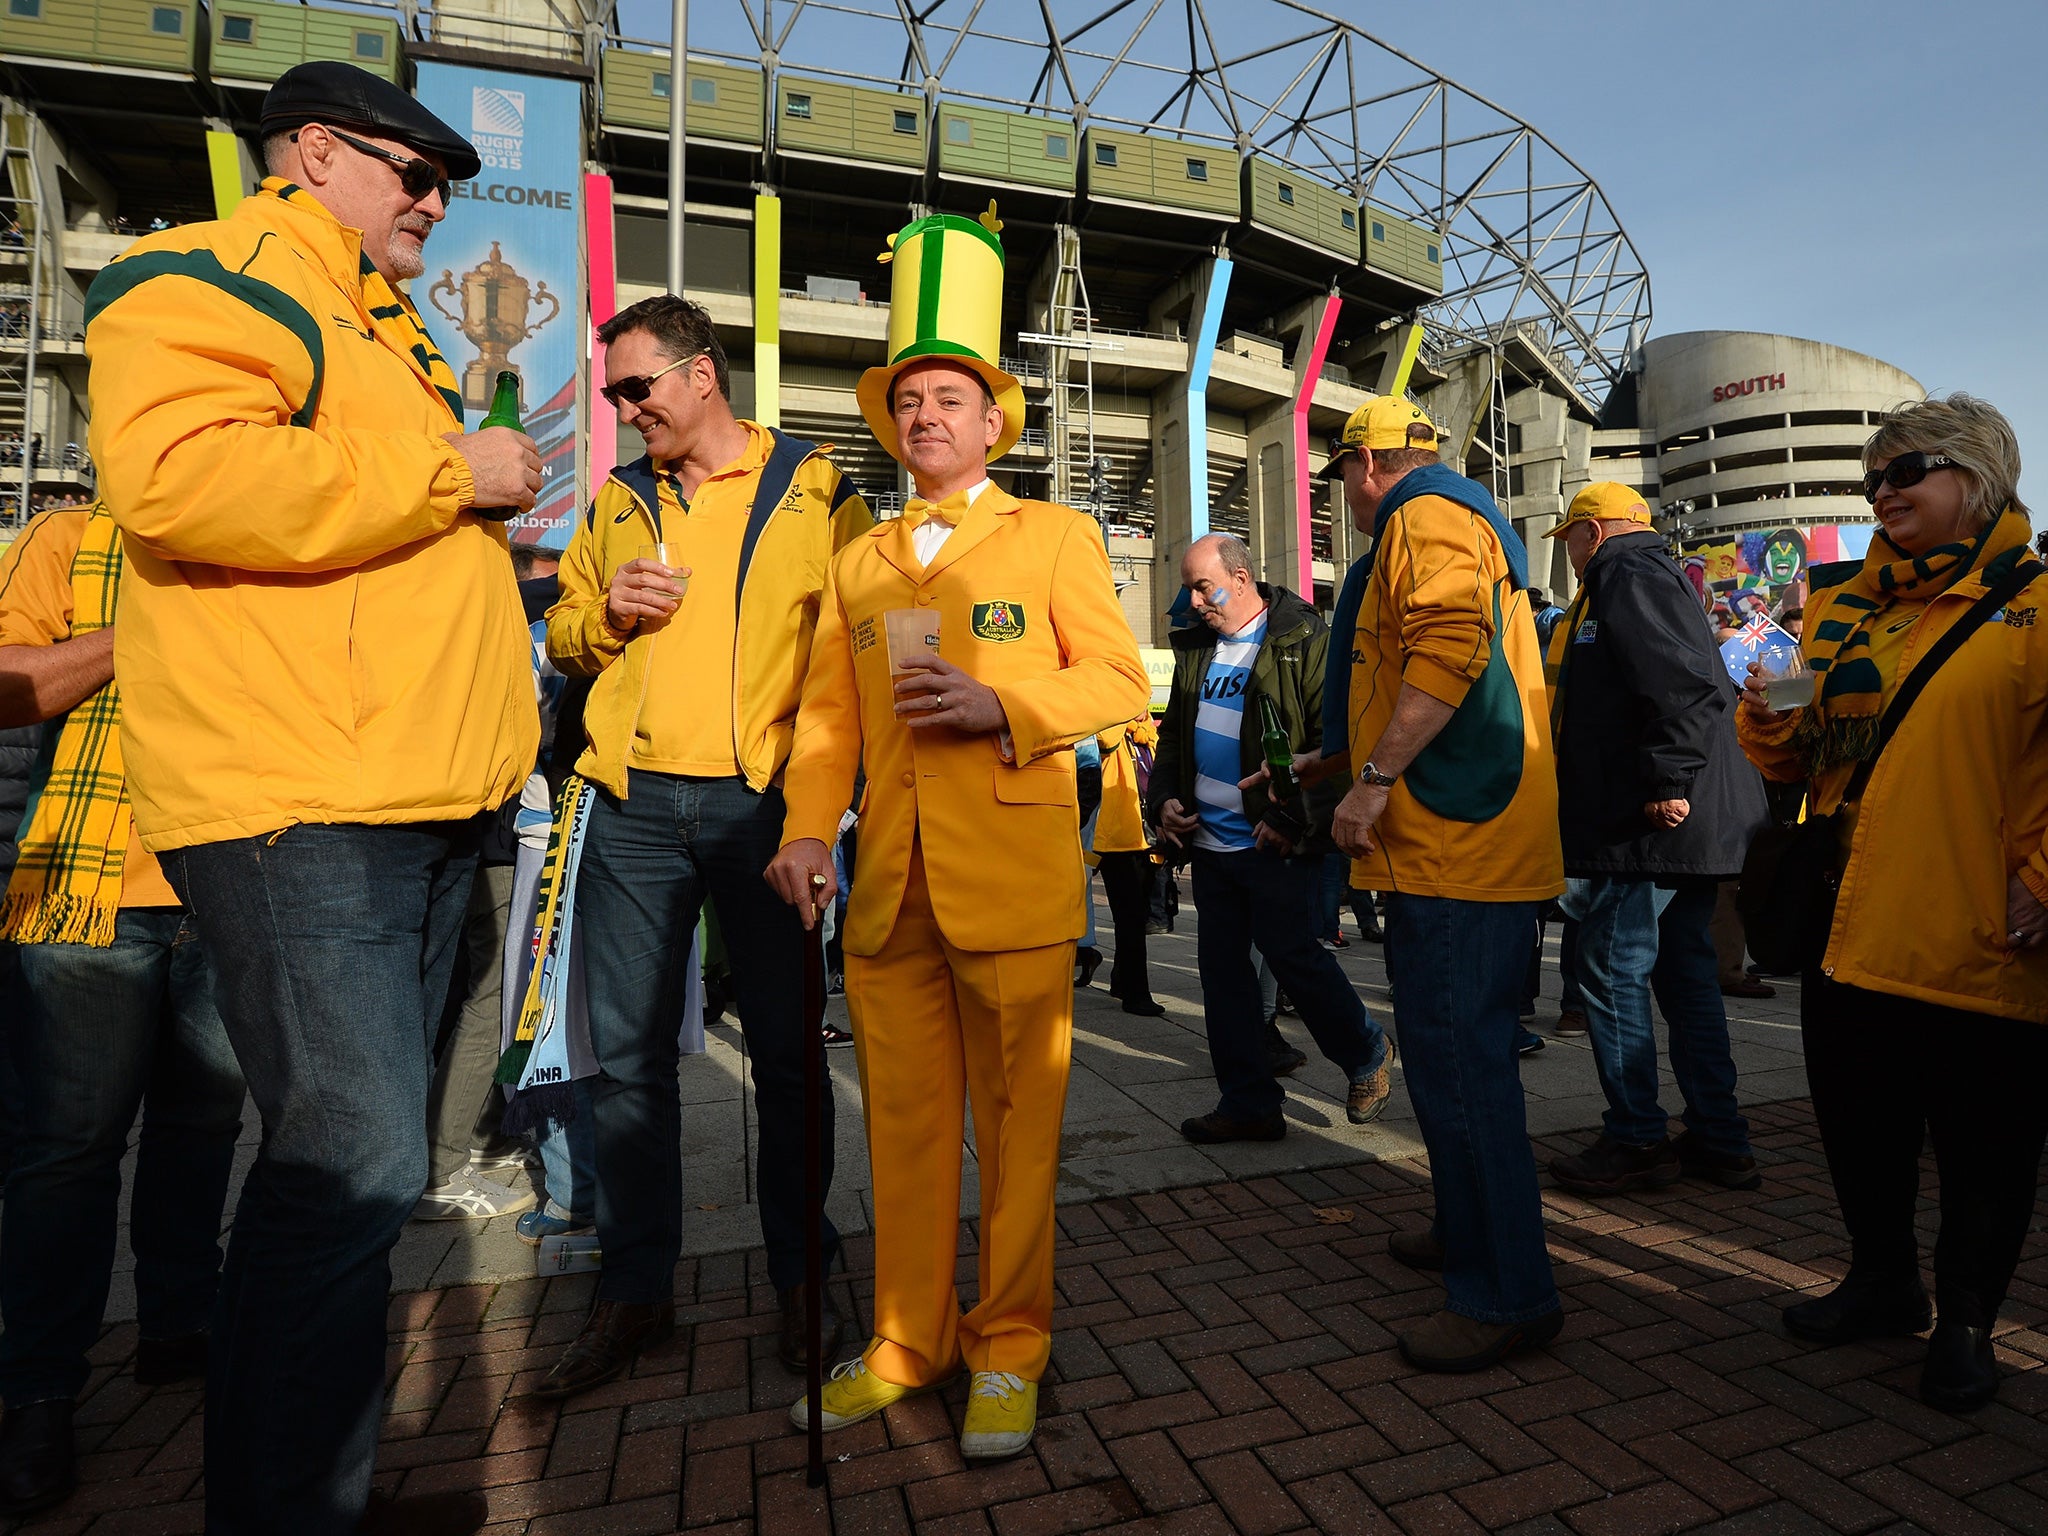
<point x="649" y="863"/>
<point x="12" y="1002"/>
<point x="1253" y="898"/>
<point x="1125" y="880"/>
<point x="331" y="948"/>
<point x="464" y="1103"/>
<point x="1885" y="1073"/>
<point x="101" y="1033"/>
<point x="1567" y="967"/>
<point x="1336" y="891"/>
<point x="1638" y="938"/>
<point x="1456" y="969"/>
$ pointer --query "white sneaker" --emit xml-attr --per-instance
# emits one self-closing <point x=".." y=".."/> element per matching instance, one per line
<point x="467" y="1196"/>
<point x="495" y="1165"/>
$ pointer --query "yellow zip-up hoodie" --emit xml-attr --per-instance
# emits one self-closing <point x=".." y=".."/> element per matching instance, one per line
<point x="312" y="628"/>
<point x="782" y="574"/>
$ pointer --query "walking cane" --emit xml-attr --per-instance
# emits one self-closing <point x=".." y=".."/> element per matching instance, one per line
<point x="814" y="1193"/>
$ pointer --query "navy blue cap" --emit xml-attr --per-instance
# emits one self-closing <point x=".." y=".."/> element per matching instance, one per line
<point x="329" y="91"/>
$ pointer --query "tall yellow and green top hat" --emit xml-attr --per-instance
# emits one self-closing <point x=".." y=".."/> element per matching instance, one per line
<point x="945" y="300"/>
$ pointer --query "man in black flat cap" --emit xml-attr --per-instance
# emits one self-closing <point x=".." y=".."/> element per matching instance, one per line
<point x="326" y="689"/>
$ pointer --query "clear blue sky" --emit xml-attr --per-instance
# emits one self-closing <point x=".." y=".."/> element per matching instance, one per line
<point x="1873" y="175"/>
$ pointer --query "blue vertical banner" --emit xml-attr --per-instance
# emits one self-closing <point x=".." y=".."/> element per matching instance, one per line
<point x="503" y="287"/>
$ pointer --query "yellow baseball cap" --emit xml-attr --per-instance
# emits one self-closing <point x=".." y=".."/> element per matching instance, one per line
<point x="1608" y="501"/>
<point x="1383" y="423"/>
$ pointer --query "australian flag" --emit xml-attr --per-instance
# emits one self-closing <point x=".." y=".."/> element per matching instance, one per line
<point x="1758" y="640"/>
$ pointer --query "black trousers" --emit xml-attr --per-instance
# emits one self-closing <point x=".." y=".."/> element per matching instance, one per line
<point x="1126" y="881"/>
<point x="1886" y="1072"/>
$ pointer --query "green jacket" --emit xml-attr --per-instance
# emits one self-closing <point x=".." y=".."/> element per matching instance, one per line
<point x="1289" y="671"/>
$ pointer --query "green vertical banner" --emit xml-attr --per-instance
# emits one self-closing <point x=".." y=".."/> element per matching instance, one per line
<point x="224" y="167"/>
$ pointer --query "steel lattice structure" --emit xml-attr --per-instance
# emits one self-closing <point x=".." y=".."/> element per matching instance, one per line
<point x="1529" y="240"/>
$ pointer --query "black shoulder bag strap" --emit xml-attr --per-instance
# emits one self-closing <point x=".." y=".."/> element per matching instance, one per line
<point x="1995" y="597"/>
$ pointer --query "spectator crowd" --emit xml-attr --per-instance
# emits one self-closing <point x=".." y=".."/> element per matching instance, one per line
<point x="329" y="805"/>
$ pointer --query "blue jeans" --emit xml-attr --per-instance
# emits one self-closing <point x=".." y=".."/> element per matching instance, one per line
<point x="101" y="1033"/>
<point x="1253" y="898"/>
<point x="1456" y="969"/>
<point x="1636" y="938"/>
<point x="1336" y="885"/>
<point x="331" y="948"/>
<point x="649" y="863"/>
<point x="568" y="1158"/>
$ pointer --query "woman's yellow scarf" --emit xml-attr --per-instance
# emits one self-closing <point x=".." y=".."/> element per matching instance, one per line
<point x="1841" y="725"/>
<point x="66" y="887"/>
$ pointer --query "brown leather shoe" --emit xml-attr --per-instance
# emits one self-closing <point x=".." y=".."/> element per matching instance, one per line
<point x="612" y="1337"/>
<point x="1449" y="1341"/>
<point x="795" y="1332"/>
<point x="1418" y="1250"/>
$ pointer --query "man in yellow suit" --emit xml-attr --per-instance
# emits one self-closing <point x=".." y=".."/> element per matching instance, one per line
<point x="967" y="892"/>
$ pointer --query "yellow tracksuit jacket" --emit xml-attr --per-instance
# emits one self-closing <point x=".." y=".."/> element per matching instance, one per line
<point x="780" y="582"/>
<point x="312" y="628"/>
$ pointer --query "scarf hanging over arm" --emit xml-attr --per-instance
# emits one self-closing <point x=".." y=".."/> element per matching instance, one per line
<point x="66" y="887"/>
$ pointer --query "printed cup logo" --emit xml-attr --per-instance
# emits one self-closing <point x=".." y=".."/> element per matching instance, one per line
<point x="497" y="126"/>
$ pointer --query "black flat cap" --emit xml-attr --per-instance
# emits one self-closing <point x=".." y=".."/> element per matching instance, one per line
<point x="329" y="91"/>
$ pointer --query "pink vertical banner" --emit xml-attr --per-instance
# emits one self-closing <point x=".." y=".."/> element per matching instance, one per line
<point x="1319" y="349"/>
<point x="604" y="303"/>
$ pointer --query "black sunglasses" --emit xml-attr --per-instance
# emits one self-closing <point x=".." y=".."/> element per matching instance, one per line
<point x="637" y="387"/>
<point x="1907" y="469"/>
<point x="417" y="176"/>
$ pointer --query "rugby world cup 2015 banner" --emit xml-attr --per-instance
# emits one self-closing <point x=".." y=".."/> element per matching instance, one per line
<point x="503" y="287"/>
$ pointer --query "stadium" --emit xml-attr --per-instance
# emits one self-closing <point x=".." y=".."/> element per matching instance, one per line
<point x="1226" y="226"/>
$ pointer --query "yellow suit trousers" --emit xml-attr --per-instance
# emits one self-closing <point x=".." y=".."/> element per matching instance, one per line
<point x="931" y="1024"/>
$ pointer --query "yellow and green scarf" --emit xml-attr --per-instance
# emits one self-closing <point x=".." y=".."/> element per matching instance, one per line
<point x="1842" y="724"/>
<point x="1558" y="659"/>
<point x="66" y="887"/>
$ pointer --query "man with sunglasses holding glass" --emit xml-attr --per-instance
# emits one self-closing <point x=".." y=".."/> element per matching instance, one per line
<point x="325" y="691"/>
<point x="689" y="593"/>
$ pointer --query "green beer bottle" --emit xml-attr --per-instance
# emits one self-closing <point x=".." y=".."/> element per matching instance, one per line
<point x="1279" y="755"/>
<point x="504" y="410"/>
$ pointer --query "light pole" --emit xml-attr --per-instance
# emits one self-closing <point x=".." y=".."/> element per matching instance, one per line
<point x="678" y="102"/>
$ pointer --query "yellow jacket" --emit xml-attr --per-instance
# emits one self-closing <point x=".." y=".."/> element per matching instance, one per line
<point x="1120" y="824"/>
<point x="780" y="580"/>
<point x="1475" y="817"/>
<point x="1956" y="805"/>
<point x="311" y="627"/>
<point x="1027" y="606"/>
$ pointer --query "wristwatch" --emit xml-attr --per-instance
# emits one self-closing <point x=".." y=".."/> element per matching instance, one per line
<point x="1371" y="775"/>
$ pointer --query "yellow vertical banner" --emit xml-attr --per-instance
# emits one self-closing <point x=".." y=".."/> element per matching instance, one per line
<point x="1411" y="349"/>
<point x="768" y="310"/>
<point x="224" y="163"/>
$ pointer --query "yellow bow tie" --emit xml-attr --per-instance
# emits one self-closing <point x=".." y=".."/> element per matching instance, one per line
<point x="949" y="511"/>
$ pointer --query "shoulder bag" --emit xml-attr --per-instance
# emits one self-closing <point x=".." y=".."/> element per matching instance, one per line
<point x="1791" y="876"/>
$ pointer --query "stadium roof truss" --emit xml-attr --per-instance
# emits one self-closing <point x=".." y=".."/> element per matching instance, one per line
<point x="1529" y="241"/>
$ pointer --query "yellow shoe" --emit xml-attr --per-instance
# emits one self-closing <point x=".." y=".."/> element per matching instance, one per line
<point x="852" y="1393"/>
<point x="1002" y="1412"/>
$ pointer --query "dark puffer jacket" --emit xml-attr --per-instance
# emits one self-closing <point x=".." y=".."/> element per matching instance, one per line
<point x="1649" y="714"/>
<point x="1289" y="671"/>
<point x="17" y="757"/>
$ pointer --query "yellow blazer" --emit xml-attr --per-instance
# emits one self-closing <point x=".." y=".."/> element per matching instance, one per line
<point x="1026" y="605"/>
<point x="1120" y="825"/>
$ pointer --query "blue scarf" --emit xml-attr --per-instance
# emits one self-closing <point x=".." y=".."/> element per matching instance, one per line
<point x="1429" y="480"/>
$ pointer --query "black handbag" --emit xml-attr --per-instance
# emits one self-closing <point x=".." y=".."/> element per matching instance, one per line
<point x="1792" y="874"/>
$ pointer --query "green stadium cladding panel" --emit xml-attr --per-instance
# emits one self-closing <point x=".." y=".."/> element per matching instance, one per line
<point x="980" y="144"/>
<point x="255" y="41"/>
<point x="725" y="101"/>
<point x="1159" y="172"/>
<point x="157" y="35"/>
<point x="1403" y="250"/>
<point x="1287" y="203"/>
<point x="849" y="122"/>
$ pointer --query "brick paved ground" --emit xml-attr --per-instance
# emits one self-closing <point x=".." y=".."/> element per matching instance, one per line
<point x="1224" y="1362"/>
